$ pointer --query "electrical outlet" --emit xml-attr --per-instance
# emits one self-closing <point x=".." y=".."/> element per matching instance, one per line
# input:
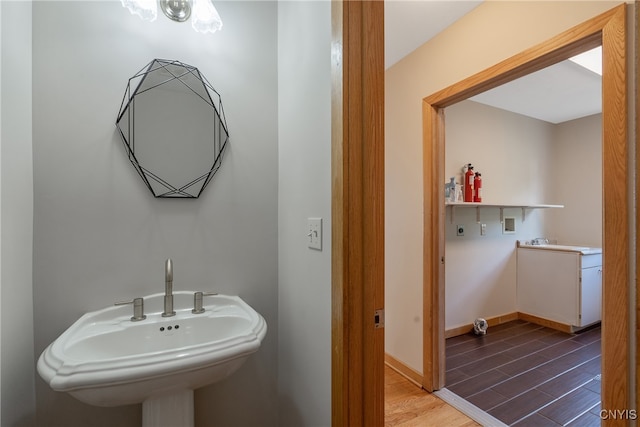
<point x="459" y="230"/>
<point x="483" y="229"/>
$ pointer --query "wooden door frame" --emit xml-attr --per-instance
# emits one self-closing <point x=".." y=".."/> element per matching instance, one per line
<point x="608" y="29"/>
<point x="636" y="19"/>
<point x="357" y="163"/>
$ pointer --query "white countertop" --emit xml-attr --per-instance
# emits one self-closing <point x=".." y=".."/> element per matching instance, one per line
<point x="585" y="250"/>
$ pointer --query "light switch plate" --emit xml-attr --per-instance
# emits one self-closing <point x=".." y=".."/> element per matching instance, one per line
<point x="314" y="233"/>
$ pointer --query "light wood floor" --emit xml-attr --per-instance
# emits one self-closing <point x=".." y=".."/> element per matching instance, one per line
<point x="405" y="405"/>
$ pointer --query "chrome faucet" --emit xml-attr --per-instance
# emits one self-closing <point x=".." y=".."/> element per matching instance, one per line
<point x="168" y="289"/>
<point x="138" y="309"/>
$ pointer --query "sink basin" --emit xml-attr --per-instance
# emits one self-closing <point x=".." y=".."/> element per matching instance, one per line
<point x="105" y="359"/>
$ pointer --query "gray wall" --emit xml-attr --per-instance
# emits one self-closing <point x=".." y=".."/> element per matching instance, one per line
<point x="16" y="308"/>
<point x="100" y="236"/>
<point x="304" y="190"/>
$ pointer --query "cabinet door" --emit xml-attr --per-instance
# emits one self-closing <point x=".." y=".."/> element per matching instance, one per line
<point x="591" y="296"/>
<point x="548" y="284"/>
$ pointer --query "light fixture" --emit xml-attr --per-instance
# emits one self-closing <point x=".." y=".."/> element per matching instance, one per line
<point x="177" y="10"/>
<point x="203" y="14"/>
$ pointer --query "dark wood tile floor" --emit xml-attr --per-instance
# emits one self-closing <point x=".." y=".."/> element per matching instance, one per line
<point x="528" y="375"/>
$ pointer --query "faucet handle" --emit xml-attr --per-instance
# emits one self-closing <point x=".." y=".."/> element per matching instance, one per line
<point x="197" y="301"/>
<point x="138" y="308"/>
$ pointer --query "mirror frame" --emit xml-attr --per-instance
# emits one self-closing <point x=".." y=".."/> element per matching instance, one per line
<point x="194" y="84"/>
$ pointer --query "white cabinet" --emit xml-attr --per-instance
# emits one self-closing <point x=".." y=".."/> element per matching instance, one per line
<point x="590" y="290"/>
<point x="563" y="286"/>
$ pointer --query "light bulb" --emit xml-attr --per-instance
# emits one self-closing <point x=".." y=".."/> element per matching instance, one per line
<point x="145" y="9"/>
<point x="205" y="17"/>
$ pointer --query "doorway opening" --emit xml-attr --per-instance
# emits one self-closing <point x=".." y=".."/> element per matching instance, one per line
<point x="540" y="140"/>
<point x="608" y="30"/>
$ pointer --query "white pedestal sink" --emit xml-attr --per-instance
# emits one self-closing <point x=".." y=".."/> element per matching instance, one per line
<point x="105" y="359"/>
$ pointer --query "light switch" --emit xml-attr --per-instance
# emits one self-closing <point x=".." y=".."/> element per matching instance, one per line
<point x="314" y="233"/>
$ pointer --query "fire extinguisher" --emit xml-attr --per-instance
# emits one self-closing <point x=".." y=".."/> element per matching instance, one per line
<point x="477" y="188"/>
<point x="468" y="184"/>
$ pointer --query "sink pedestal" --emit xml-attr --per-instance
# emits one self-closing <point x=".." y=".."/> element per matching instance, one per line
<point x="169" y="410"/>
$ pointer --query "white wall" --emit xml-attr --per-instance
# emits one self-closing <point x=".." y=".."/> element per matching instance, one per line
<point x="304" y="190"/>
<point x="512" y="152"/>
<point x="576" y="173"/>
<point x="526" y="161"/>
<point x="17" y="368"/>
<point x="100" y="236"/>
<point x="492" y="32"/>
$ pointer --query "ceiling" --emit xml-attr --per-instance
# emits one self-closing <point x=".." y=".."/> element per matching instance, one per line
<point x="562" y="92"/>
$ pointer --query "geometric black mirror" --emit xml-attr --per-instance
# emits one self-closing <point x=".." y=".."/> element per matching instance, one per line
<point x="173" y="128"/>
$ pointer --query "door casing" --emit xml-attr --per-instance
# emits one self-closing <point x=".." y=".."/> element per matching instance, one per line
<point x="357" y="163"/>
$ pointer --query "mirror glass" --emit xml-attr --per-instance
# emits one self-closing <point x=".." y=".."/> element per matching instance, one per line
<point x="172" y="125"/>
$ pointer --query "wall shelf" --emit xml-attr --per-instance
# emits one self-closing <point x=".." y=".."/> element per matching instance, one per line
<point x="478" y="206"/>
